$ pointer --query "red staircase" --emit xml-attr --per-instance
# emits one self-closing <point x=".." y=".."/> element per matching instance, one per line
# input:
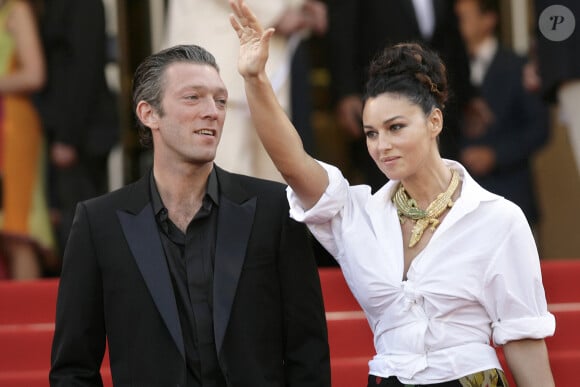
<point x="27" y="311"/>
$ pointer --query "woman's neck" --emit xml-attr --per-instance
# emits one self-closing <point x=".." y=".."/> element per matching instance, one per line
<point x="426" y="185"/>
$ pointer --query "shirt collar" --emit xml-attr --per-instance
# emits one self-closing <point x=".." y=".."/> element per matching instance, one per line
<point x="212" y="187"/>
<point x="211" y="192"/>
<point x="471" y="192"/>
<point x="486" y="50"/>
<point x="481" y="60"/>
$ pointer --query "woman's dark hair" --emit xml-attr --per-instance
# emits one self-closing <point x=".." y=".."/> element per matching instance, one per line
<point x="411" y="70"/>
<point x="148" y="81"/>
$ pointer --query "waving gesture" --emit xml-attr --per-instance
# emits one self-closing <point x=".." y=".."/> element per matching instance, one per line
<point x="306" y="177"/>
<point x="254" y="40"/>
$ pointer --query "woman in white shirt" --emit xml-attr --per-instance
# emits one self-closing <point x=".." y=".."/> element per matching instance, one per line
<point x="441" y="267"/>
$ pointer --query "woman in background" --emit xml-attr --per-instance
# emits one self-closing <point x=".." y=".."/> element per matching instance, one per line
<point x="25" y="226"/>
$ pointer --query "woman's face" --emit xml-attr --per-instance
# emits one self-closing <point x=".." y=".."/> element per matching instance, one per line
<point x="400" y="137"/>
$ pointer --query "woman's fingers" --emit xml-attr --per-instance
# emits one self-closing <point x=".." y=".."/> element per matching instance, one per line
<point x="234" y="5"/>
<point x="246" y="24"/>
<point x="267" y="35"/>
<point x="245" y="16"/>
<point x="240" y="20"/>
<point x="236" y="25"/>
<point x="239" y="11"/>
<point x="254" y="40"/>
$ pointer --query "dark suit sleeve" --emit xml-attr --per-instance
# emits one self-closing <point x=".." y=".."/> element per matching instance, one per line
<point x="306" y="340"/>
<point x="79" y="339"/>
<point x="530" y="136"/>
<point x="451" y="46"/>
<point x="528" y="127"/>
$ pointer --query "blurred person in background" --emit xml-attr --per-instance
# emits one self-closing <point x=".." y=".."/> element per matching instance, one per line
<point x="27" y="239"/>
<point x="499" y="153"/>
<point x="79" y="113"/>
<point x="558" y="60"/>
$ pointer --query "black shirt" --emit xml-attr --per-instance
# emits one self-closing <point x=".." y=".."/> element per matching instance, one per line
<point x="190" y="258"/>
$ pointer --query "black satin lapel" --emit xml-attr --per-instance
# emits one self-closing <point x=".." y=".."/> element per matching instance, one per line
<point x="145" y="244"/>
<point x="234" y="226"/>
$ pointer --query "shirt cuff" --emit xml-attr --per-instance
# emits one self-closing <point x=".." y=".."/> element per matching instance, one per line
<point x="523" y="328"/>
<point x="331" y="201"/>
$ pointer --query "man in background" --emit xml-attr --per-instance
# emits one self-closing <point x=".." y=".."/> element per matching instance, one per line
<point x="78" y="111"/>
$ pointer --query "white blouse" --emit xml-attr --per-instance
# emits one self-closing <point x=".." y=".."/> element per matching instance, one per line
<point x="478" y="280"/>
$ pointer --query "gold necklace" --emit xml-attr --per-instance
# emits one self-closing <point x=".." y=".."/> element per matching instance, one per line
<point x="407" y="209"/>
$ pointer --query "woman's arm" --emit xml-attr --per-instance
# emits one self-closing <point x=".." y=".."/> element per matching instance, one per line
<point x="528" y="362"/>
<point x="306" y="177"/>
<point x="29" y="75"/>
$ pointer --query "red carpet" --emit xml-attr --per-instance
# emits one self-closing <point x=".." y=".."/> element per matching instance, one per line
<point x="27" y="312"/>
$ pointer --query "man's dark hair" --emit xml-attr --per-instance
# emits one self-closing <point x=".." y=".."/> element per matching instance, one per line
<point x="149" y="79"/>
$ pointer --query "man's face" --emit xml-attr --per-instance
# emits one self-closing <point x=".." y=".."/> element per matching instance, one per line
<point x="472" y="22"/>
<point x="194" y="106"/>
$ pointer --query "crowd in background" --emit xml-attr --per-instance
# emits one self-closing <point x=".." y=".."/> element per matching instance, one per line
<point x="59" y="119"/>
<point x="59" y="124"/>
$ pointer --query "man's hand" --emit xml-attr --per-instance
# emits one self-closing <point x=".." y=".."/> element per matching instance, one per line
<point x="316" y="15"/>
<point x="311" y="17"/>
<point x="478" y="117"/>
<point x="349" y="113"/>
<point x="479" y="160"/>
<point x="531" y="77"/>
<point x="291" y="21"/>
<point x="63" y="155"/>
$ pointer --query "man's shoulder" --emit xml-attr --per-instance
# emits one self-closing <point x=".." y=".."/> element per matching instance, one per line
<point x="250" y="183"/>
<point x="126" y="194"/>
<point x="270" y="195"/>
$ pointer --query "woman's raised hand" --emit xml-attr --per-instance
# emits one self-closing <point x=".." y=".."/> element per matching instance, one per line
<point x="308" y="179"/>
<point x="254" y="40"/>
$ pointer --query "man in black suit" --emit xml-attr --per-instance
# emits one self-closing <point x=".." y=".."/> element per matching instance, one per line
<point x="360" y="29"/>
<point x="78" y="111"/>
<point x="500" y="156"/>
<point x="195" y="276"/>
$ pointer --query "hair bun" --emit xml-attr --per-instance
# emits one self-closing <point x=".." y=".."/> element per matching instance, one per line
<point x="412" y="70"/>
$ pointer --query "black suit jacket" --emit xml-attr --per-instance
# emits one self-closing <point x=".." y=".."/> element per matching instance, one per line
<point x="559" y="61"/>
<point x="76" y="105"/>
<point x="269" y="322"/>
<point x="520" y="128"/>
<point x="359" y="29"/>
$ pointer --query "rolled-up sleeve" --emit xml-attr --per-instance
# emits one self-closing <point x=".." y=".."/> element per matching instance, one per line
<point x="329" y="204"/>
<point x="324" y="218"/>
<point x="513" y="290"/>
